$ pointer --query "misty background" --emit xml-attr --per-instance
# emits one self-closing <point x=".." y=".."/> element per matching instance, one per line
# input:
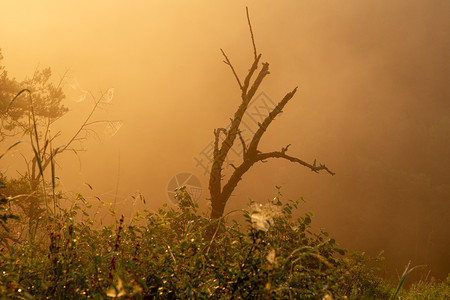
<point x="373" y="105"/>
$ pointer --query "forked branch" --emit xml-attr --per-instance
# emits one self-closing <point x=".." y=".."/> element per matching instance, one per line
<point x="250" y="152"/>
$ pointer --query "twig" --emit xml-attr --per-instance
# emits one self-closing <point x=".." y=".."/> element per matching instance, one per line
<point x="83" y="125"/>
<point x="251" y="33"/>
<point x="244" y="147"/>
<point x="227" y="61"/>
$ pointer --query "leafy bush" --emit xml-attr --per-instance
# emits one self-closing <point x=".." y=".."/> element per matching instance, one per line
<point x="177" y="253"/>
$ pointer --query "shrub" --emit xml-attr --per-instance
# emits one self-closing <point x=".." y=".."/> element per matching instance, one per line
<point x="177" y="253"/>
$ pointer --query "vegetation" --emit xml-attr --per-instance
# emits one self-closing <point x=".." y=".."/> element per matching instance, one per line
<point x="53" y="251"/>
<point x="47" y="102"/>
<point x="29" y="108"/>
<point x="169" y="254"/>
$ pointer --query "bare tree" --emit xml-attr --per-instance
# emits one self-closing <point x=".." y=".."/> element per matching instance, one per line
<point x="220" y="194"/>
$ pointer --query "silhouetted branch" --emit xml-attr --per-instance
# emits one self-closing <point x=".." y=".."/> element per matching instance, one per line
<point x="283" y="150"/>
<point x="244" y="147"/>
<point x="263" y="126"/>
<point x="251" y="32"/>
<point x="282" y="154"/>
<point x="263" y="73"/>
<point x="227" y="61"/>
<point x="250" y="74"/>
<point x="216" y="139"/>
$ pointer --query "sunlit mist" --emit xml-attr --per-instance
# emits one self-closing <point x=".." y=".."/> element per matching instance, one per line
<point x="372" y="104"/>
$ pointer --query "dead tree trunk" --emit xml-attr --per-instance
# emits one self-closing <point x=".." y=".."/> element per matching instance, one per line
<point x="251" y="155"/>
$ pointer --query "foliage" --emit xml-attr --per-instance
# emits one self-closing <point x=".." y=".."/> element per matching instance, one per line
<point x="171" y="254"/>
<point x="5" y="214"/>
<point x="31" y="111"/>
<point x="29" y="108"/>
<point x="47" y="101"/>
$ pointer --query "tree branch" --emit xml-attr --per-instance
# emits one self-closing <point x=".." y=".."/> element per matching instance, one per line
<point x="263" y="73"/>
<point x="227" y="61"/>
<point x="283" y="150"/>
<point x="216" y="140"/>
<point x="263" y="127"/>
<point x="251" y="32"/>
<point x="244" y="147"/>
<point x="250" y="74"/>
<point x="282" y="154"/>
<point x="221" y="194"/>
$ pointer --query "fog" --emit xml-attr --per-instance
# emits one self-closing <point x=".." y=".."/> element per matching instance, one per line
<point x="373" y="105"/>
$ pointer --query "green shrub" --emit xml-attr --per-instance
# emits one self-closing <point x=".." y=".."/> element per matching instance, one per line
<point x="177" y="253"/>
